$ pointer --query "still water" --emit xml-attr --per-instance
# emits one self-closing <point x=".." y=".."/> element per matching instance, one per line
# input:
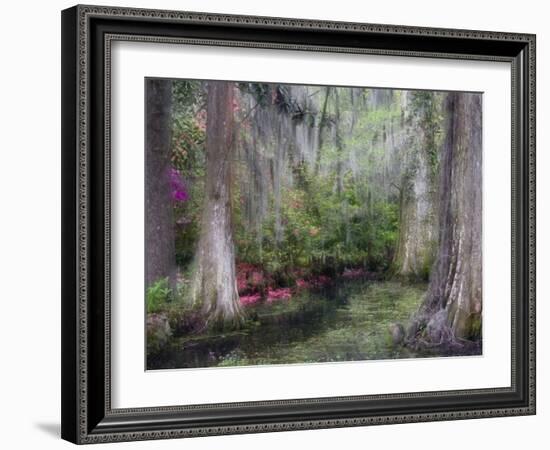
<point x="347" y="321"/>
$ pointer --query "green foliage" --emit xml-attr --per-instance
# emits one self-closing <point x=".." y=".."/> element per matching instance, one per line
<point x="188" y="222"/>
<point x="188" y="136"/>
<point x="186" y="95"/>
<point x="322" y="231"/>
<point x="188" y="128"/>
<point x="188" y="157"/>
<point x="328" y="218"/>
<point x="158" y="295"/>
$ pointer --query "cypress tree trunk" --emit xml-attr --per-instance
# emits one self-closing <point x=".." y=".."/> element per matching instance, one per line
<point x="160" y="257"/>
<point x="214" y="284"/>
<point x="452" y="307"/>
<point x="417" y="245"/>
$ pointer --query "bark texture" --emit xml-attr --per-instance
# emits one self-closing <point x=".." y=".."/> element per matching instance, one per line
<point x="451" y="311"/>
<point x="417" y="243"/>
<point x="160" y="260"/>
<point x="214" y="285"/>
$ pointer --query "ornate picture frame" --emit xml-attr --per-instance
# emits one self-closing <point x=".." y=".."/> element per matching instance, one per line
<point x="88" y="33"/>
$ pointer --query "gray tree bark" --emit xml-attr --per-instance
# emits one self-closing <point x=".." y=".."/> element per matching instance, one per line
<point x="417" y="243"/>
<point x="214" y="286"/>
<point x="452" y="308"/>
<point x="160" y="258"/>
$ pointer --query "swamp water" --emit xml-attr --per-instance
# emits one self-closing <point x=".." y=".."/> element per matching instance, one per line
<point x="347" y="321"/>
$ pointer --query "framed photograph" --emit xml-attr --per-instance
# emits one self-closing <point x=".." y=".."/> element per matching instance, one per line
<point x="279" y="224"/>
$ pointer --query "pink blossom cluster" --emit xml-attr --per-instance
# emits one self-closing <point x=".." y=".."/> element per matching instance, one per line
<point x="177" y="186"/>
<point x="274" y="295"/>
<point x="249" y="299"/>
<point x="255" y="285"/>
<point x="250" y="278"/>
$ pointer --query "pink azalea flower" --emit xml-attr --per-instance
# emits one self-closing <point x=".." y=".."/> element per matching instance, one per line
<point x="278" y="294"/>
<point x="249" y="299"/>
<point x="177" y="186"/>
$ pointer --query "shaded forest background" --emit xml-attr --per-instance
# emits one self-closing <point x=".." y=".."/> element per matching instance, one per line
<point x="256" y="191"/>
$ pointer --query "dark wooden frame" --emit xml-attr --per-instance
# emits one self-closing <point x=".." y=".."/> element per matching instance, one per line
<point x="87" y="32"/>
